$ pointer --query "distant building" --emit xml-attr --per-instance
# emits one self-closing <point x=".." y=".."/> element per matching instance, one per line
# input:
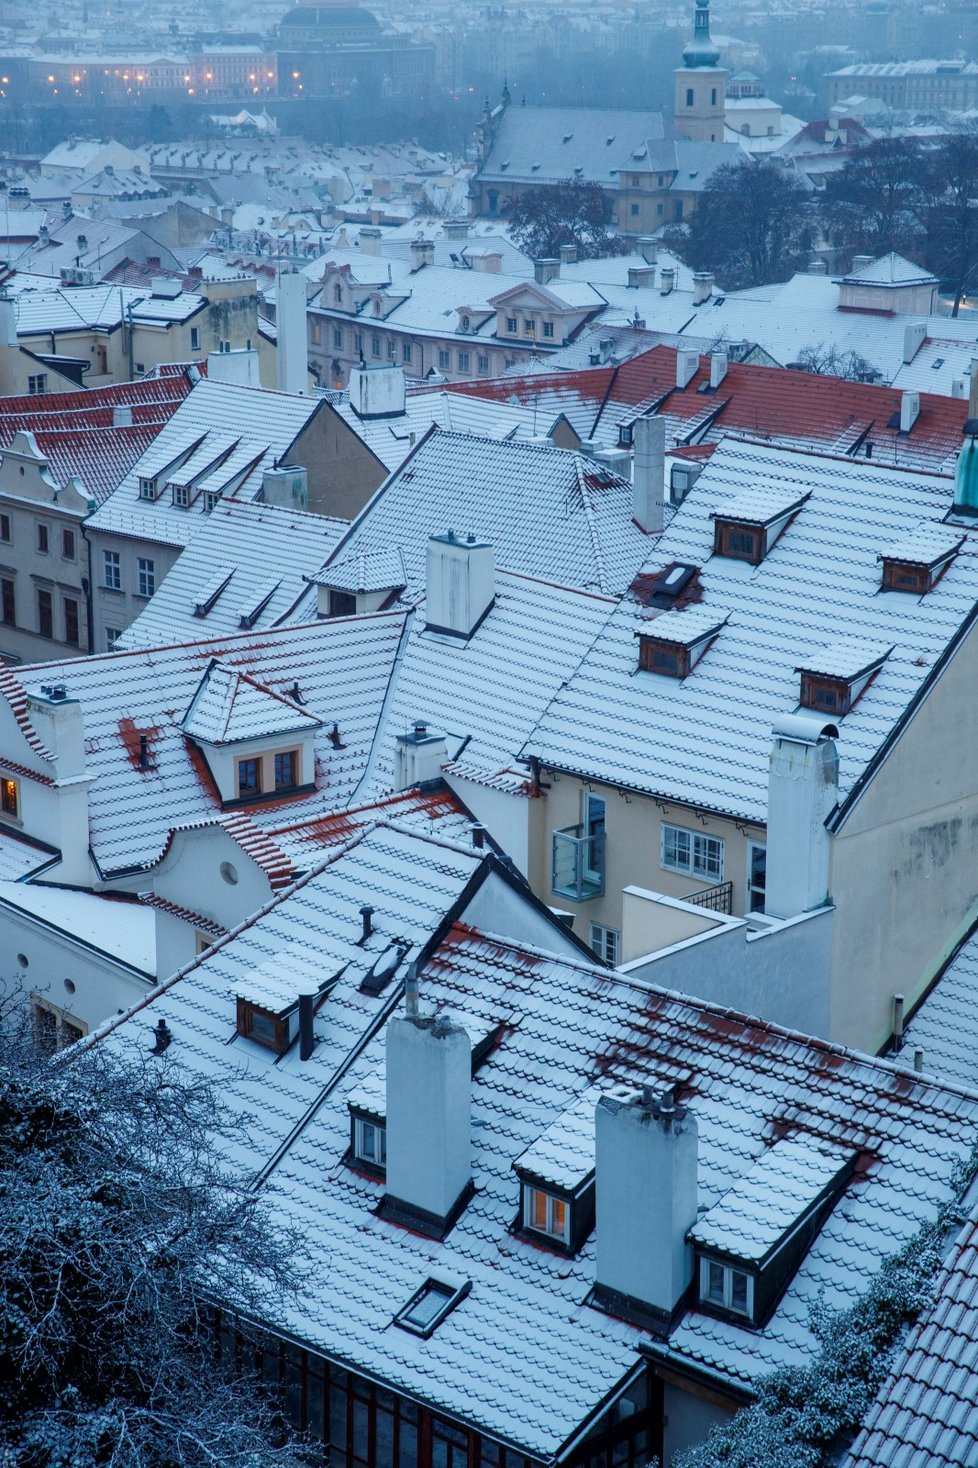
<point x="701" y="84"/>
<point x="331" y="49"/>
<point x="930" y="86"/>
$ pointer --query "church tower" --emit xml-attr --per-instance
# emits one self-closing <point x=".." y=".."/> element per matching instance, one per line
<point x="701" y="84"/>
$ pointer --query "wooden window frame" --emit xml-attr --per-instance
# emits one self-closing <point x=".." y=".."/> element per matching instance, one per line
<point x="917" y="579"/>
<point x="723" y="545"/>
<point x="246" y="1012"/>
<point x="813" y="683"/>
<point x="654" y="652"/>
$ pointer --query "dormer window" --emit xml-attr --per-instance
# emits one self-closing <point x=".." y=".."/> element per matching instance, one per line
<point x="465" y="323"/>
<point x="556" y="1174"/>
<point x="249" y="778"/>
<point x="675" y="642"/>
<point x="545" y="1213"/>
<point x="749" y="1244"/>
<point x="833" y="678"/>
<point x="745" y="529"/>
<point x="368" y="1142"/>
<point x="181" y="496"/>
<point x="147" y="487"/>
<point x="916" y="563"/>
<point x="263" y="1026"/>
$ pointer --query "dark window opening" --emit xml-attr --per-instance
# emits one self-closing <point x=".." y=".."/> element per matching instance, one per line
<point x="899" y="576"/>
<point x="668" y="658"/>
<point x="71" y="620"/>
<point x="738" y="542"/>
<point x="8" y="606"/>
<point x="45" y="613"/>
<point x="249" y="777"/>
<point x="342" y="603"/>
<point x="827" y="695"/>
<point x="285" y="770"/>
<point x="263" y="1026"/>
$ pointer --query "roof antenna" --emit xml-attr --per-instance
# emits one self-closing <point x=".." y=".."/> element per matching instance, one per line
<point x="162" y="1037"/>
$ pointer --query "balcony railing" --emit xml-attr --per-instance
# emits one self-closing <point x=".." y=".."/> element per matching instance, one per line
<point x="717" y="899"/>
<point x="578" y="864"/>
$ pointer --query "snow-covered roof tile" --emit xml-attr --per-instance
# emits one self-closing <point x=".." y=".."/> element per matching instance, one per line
<point x="229" y="706"/>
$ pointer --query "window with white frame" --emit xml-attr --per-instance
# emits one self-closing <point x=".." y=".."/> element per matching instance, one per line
<point x="145" y="576"/>
<point x="37" y="384"/>
<point x="181" y="496"/>
<point x="545" y="1213"/>
<point x="444" y="360"/>
<point x="463" y="361"/>
<point x="147" y="487"/>
<point x="112" y="635"/>
<point x="726" y="1287"/>
<point x="693" y="852"/>
<point x="605" y="942"/>
<point x="369" y="1141"/>
<point x="111" y="571"/>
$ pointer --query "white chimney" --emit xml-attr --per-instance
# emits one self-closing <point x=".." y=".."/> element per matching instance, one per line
<point x="641" y="277"/>
<point x="429" y="1085"/>
<point x="909" y="410"/>
<point x="461" y="584"/>
<point x="239" y="366"/>
<point x="59" y="723"/>
<point x="377" y="392"/>
<point x="702" y="287"/>
<point x="422" y="253"/>
<point x="803" y="789"/>
<point x="291" y="351"/>
<point x="718" y="368"/>
<point x="370" y="237"/>
<point x="568" y="254"/>
<point x="957" y="387"/>
<point x="648" y="248"/>
<point x="544" y="271"/>
<point x="668" y="279"/>
<point x="913" y="339"/>
<point x="645" y="1200"/>
<point x="122" y="415"/>
<point x="817" y="267"/>
<point x="419" y="756"/>
<point x="973" y="390"/>
<point x="687" y="366"/>
<point x="8" y="321"/>
<point x="648" y="473"/>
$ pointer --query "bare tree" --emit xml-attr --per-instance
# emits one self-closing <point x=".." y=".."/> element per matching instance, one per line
<point x="753" y="223"/>
<point x="569" y="213"/>
<point x="951" y="211"/>
<point x="874" y="203"/>
<point x="119" y="1221"/>
<point x="832" y="361"/>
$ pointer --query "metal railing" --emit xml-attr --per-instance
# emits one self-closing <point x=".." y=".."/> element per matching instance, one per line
<point x="716" y="899"/>
<point x="578" y="864"/>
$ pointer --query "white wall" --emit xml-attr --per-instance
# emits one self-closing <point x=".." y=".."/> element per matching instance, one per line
<point x="781" y="972"/>
<point x="505" y="817"/>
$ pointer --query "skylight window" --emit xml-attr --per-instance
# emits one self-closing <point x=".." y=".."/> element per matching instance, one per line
<point x="429" y="1305"/>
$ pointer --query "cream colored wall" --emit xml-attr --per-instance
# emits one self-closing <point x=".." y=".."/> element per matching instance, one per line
<point x="651" y="921"/>
<point x="905" y="864"/>
<point x="632" y="850"/>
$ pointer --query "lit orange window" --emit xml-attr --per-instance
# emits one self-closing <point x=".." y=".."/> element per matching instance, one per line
<point x="9" y="796"/>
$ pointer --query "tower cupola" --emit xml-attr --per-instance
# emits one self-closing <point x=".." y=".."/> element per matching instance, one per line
<point x="701" y="51"/>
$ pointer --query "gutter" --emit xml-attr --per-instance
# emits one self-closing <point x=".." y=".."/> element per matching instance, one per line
<point x="657" y="1354"/>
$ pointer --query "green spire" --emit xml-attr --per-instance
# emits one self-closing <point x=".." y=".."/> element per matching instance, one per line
<point x="966" y="474"/>
<point x="701" y="51"/>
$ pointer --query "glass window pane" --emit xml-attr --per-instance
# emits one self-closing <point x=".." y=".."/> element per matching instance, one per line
<point x="384" y="1445"/>
<point x="558" y="1218"/>
<point x="360" y="1446"/>
<point x="714" y="1291"/>
<point x="428" y="1305"/>
<point x="337" y="1414"/>
<point x="407" y="1439"/>
<point x="738" y="1291"/>
<point x="538" y="1209"/>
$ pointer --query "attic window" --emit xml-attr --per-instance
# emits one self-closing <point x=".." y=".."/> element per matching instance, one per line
<point x="917" y="563"/>
<point x="625" y="435"/>
<point x="833" y="679"/>
<point x="739" y="542"/>
<point x="342" y="603"/>
<point x="657" y="656"/>
<point x="263" y="1026"/>
<point x="147" y="487"/>
<point x="677" y="640"/>
<point x="546" y="1213"/>
<point x="429" y="1305"/>
<point x="746" y="528"/>
<point x="368" y="1142"/>
<point x="749" y="1244"/>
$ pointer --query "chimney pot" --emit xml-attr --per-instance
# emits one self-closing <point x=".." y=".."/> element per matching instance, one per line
<point x="668" y="279"/>
<point x="478" y="836"/>
<point x="367" y="915"/>
<point x="306" y="1039"/>
<point x="411" y="989"/>
<point x="162" y="1037"/>
<point x="898" y="1003"/>
<point x="702" y="287"/>
<point x="918" y="1061"/>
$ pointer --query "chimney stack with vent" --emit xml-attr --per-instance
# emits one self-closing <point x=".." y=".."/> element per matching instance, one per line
<point x="641" y="277"/>
<point x="422" y="253"/>
<point x="718" y="368"/>
<point x="544" y="271"/>
<point x="909" y="410"/>
<point x="648" y="473"/>
<point x="370" y="237"/>
<point x="378" y="392"/>
<point x="957" y="388"/>
<point x="461" y="583"/>
<point x="568" y="254"/>
<point x="668" y="279"/>
<point x="429" y="1085"/>
<point x="59" y="723"/>
<point x="803" y="789"/>
<point x="687" y="366"/>
<point x="648" y="248"/>
<point x="702" y="287"/>
<point x="914" y="336"/>
<point x="291" y="331"/>
<point x="419" y="756"/>
<point x="645" y="1196"/>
